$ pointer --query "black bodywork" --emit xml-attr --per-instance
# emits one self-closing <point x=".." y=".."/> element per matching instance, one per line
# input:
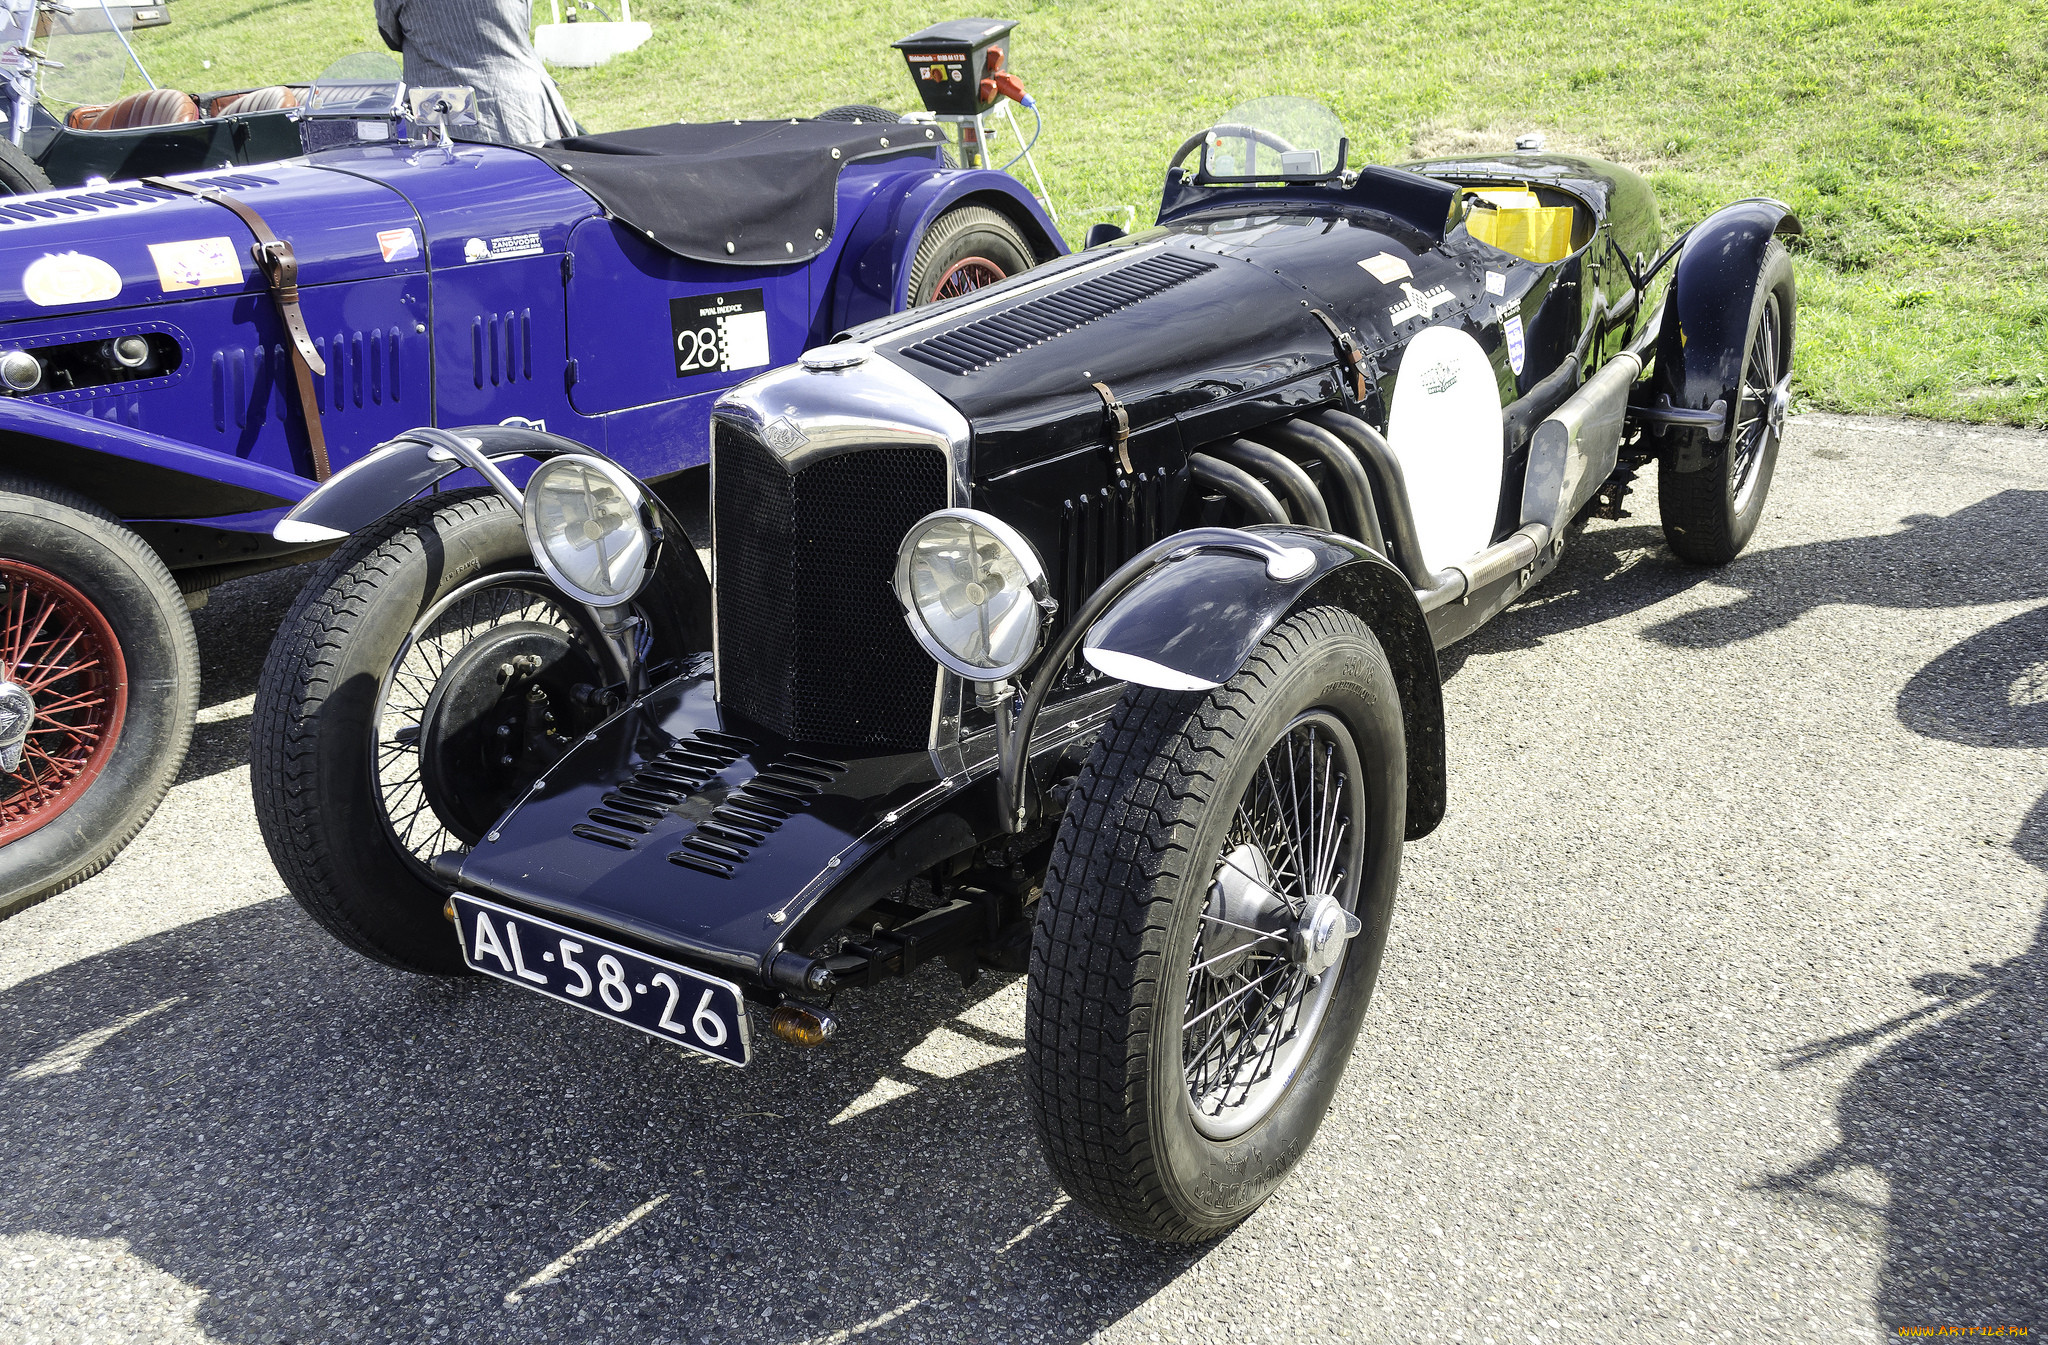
<point x="761" y="806"/>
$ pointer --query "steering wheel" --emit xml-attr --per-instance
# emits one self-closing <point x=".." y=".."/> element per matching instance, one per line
<point x="1194" y="141"/>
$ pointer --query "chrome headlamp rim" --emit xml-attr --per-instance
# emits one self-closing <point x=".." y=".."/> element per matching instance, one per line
<point x="622" y="481"/>
<point x="1035" y="583"/>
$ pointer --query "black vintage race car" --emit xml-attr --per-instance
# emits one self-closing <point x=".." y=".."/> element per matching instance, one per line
<point x="1085" y="625"/>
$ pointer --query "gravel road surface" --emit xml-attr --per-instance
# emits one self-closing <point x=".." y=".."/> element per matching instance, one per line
<point x="1714" y="1011"/>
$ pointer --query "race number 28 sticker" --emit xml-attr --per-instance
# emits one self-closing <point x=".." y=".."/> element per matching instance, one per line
<point x="718" y="333"/>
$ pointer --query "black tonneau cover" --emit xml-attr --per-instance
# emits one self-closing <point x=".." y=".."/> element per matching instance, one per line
<point x="745" y="193"/>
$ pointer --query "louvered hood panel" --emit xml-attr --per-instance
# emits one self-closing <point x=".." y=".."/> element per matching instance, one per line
<point x="1168" y="326"/>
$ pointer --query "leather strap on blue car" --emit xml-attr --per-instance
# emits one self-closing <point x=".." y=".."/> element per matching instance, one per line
<point x="280" y="268"/>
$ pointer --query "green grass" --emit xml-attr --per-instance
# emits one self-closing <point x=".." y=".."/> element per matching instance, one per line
<point x="1911" y="136"/>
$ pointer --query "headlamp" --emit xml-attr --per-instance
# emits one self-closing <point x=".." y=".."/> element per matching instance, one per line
<point x="583" y="521"/>
<point x="973" y="591"/>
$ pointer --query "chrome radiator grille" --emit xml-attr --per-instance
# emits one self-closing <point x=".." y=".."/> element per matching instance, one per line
<point x="811" y="642"/>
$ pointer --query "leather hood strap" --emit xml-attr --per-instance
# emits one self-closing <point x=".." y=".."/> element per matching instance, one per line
<point x="280" y="268"/>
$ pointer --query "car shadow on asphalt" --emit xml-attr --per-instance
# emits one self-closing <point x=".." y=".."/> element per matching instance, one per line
<point x="235" y="629"/>
<point x="1950" y="1111"/>
<point x="333" y="1150"/>
<point x="1987" y="552"/>
<point x="1609" y="569"/>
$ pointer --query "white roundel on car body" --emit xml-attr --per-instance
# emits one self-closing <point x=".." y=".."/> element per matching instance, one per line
<point x="1445" y="428"/>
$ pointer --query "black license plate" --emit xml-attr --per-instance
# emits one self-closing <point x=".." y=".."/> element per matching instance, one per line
<point x="660" y="998"/>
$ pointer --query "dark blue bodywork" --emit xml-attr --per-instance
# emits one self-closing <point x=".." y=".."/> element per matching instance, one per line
<point x="566" y="321"/>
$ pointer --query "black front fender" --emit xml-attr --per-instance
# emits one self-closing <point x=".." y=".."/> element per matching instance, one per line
<point x="394" y="472"/>
<point x="366" y="490"/>
<point x="1706" y="317"/>
<point x="1192" y="622"/>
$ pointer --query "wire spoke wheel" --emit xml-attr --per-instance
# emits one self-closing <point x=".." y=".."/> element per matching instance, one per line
<point x="1258" y="980"/>
<point x="966" y="249"/>
<point x="1711" y="486"/>
<point x="58" y="648"/>
<point x="441" y="634"/>
<point x="966" y="276"/>
<point x="1212" y="924"/>
<point x="1760" y="410"/>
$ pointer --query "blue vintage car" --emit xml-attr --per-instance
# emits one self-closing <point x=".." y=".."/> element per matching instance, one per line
<point x="182" y="359"/>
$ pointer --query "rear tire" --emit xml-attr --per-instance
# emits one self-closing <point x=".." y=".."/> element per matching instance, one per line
<point x="1126" y="951"/>
<point x="1710" y="514"/>
<point x="966" y="248"/>
<point x="75" y="803"/>
<point x="19" y="174"/>
<point x="860" y="114"/>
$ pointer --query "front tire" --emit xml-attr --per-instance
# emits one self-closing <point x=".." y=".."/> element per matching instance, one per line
<point x="19" y="174"/>
<point x="1710" y="514"/>
<point x="94" y="630"/>
<point x="1189" y="1015"/>
<point x="353" y="699"/>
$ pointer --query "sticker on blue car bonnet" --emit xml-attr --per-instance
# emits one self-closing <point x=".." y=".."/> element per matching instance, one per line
<point x="61" y="278"/>
<point x="719" y="333"/>
<point x="196" y="263"/>
<point x="398" y="245"/>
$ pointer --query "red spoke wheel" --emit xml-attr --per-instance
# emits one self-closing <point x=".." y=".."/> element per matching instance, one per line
<point x="56" y="645"/>
<point x="965" y="249"/>
<point x="94" y="631"/>
<point x="967" y="275"/>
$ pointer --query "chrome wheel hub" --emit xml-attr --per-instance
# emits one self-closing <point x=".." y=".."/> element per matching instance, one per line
<point x="17" y="713"/>
<point x="1269" y="945"/>
<point x="1244" y="911"/>
<point x="1780" y="405"/>
<point x="1318" y="938"/>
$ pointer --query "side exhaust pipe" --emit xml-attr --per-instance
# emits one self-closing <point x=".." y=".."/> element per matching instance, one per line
<point x="1361" y="513"/>
<point x="1397" y="515"/>
<point x="1571" y="452"/>
<point x="1262" y="504"/>
<point x="1576" y="447"/>
<point x="1296" y="484"/>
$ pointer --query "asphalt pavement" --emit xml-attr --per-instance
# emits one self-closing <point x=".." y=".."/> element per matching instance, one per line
<point x="1714" y="1011"/>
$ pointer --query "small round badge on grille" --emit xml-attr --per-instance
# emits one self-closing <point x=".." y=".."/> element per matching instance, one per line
<point x="845" y="355"/>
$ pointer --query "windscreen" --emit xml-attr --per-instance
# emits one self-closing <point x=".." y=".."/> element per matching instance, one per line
<point x="367" y="83"/>
<point x="90" y="55"/>
<point x="1271" y="138"/>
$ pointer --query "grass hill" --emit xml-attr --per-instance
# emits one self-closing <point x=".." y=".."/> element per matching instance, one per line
<point x="1911" y="136"/>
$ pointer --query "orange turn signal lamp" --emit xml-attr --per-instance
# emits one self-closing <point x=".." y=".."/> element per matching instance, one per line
<point x="802" y="1024"/>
